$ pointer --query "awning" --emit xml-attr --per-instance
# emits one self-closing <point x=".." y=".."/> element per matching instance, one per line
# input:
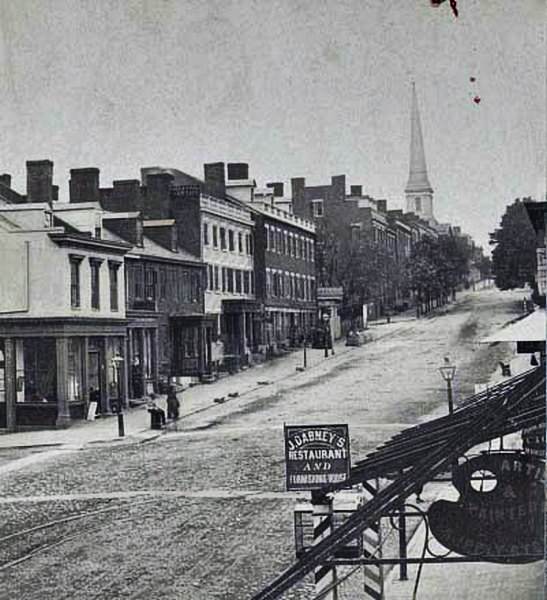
<point x="529" y="329"/>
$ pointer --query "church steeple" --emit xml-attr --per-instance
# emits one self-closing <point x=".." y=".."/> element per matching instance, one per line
<point x="418" y="191"/>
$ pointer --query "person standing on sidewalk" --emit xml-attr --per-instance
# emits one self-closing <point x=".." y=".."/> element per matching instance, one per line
<point x="173" y="403"/>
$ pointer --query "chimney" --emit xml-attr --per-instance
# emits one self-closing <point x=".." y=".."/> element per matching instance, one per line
<point x="39" y="180"/>
<point x="5" y="179"/>
<point x="381" y="205"/>
<point x="84" y="185"/>
<point x="126" y="195"/>
<point x="356" y="190"/>
<point x="157" y="204"/>
<point x="278" y="188"/>
<point x="238" y="171"/>
<point x="214" y="176"/>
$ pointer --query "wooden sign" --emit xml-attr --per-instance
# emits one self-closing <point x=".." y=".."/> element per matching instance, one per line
<point x="498" y="518"/>
<point x="316" y="456"/>
<point x="92" y="411"/>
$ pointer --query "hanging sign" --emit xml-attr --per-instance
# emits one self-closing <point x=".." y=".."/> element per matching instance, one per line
<point x="316" y="456"/>
<point x="499" y="514"/>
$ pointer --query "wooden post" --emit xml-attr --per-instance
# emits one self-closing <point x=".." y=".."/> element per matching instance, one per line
<point x="325" y="576"/>
<point x="63" y="413"/>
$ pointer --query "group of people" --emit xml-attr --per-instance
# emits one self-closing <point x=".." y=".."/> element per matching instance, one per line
<point x="173" y="405"/>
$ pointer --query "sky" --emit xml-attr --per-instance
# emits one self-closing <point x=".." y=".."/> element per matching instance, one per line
<point x="296" y="88"/>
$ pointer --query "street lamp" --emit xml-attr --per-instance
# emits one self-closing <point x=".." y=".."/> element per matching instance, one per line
<point x="448" y="371"/>
<point x="326" y="318"/>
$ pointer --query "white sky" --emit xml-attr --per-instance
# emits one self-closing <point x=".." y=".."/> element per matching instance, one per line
<point x="308" y="88"/>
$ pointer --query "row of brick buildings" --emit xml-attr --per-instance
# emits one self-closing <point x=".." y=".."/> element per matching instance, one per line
<point x="107" y="295"/>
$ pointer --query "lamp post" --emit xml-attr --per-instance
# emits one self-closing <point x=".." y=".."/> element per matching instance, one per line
<point x="326" y="318"/>
<point x="117" y="361"/>
<point x="448" y="371"/>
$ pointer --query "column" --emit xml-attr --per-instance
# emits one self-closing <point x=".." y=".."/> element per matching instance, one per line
<point x="123" y="373"/>
<point x="155" y="358"/>
<point x="85" y="371"/>
<point x="63" y="413"/>
<point x="10" y="383"/>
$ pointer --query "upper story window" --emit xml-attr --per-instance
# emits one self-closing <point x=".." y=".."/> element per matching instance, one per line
<point x="317" y="208"/>
<point x="251" y="244"/>
<point x="271" y="237"/>
<point x="230" y="279"/>
<point x="205" y="234"/>
<point x="418" y="204"/>
<point x="75" y="261"/>
<point x="285" y="242"/>
<point x="163" y="283"/>
<point x="215" y="236"/>
<point x="95" y="266"/>
<point x="216" y="279"/>
<point x="150" y="283"/>
<point x="222" y="238"/>
<point x="240" y="242"/>
<point x="113" y="267"/>
<point x="355" y="232"/>
<point x="231" y="245"/>
<point x="238" y="286"/>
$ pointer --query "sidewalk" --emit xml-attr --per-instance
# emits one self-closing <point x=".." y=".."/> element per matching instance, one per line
<point x="194" y="400"/>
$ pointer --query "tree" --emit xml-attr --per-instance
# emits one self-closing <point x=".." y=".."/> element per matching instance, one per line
<point x="514" y="255"/>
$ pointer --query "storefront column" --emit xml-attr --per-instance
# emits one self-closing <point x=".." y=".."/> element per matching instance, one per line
<point x="156" y="358"/>
<point x="85" y="370"/>
<point x="10" y="384"/>
<point x="63" y="413"/>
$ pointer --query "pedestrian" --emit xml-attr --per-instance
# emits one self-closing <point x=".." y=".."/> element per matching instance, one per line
<point x="173" y="403"/>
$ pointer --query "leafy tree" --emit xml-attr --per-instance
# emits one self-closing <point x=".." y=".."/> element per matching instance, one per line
<point x="514" y="255"/>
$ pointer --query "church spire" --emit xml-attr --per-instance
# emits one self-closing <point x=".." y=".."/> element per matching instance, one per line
<point x="417" y="178"/>
<point x="419" y="193"/>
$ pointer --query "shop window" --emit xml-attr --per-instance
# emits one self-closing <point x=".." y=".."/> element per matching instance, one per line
<point x="40" y="370"/>
<point x="75" y="369"/>
<point x="95" y="266"/>
<point x="189" y="342"/>
<point x="215" y="236"/>
<point x="113" y="280"/>
<point x="222" y="238"/>
<point x="205" y="234"/>
<point x="75" y="299"/>
<point x="231" y="246"/>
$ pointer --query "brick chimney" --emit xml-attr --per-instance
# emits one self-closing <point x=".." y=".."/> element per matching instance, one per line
<point x="215" y="178"/>
<point x="126" y="195"/>
<point x="356" y="190"/>
<point x="157" y="203"/>
<point x="238" y="171"/>
<point x="5" y="179"/>
<point x="278" y="188"/>
<point x="84" y="185"/>
<point x="39" y="181"/>
<point x="382" y="205"/>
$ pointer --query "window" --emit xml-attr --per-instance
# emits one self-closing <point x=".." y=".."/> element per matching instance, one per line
<point x="297" y="246"/>
<point x="95" y="265"/>
<point x="186" y="289"/>
<point x="150" y="283"/>
<point x="312" y="250"/>
<point x="74" y="369"/>
<point x="355" y="232"/>
<point x="271" y="239"/>
<point x="75" y="280"/>
<point x="230" y="277"/>
<point x="113" y="279"/>
<point x="240" y="242"/>
<point x="246" y="282"/>
<point x="239" y="287"/>
<point x="195" y="287"/>
<point x="216" y="281"/>
<point x="215" y="236"/>
<point x="231" y="246"/>
<point x="268" y="282"/>
<point x="418" y="204"/>
<point x="252" y="282"/>
<point x="317" y="208"/>
<point x="138" y="282"/>
<point x="205" y="234"/>
<point x="209" y="277"/>
<point x="251" y="244"/>
<point x="163" y="283"/>
<point x="222" y="238"/>
<point x="267" y="230"/>
<point x="247" y="244"/>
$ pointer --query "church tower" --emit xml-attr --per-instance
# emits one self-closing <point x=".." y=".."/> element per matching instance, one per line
<point x="418" y="191"/>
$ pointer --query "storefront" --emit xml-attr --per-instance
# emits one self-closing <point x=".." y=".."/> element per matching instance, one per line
<point x="50" y="371"/>
<point x="193" y="339"/>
